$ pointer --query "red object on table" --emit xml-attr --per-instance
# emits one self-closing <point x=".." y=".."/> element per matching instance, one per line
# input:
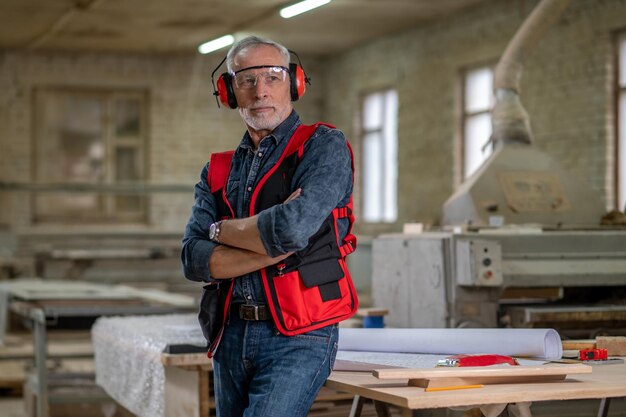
<point x="477" y="360"/>
<point x="594" y="354"/>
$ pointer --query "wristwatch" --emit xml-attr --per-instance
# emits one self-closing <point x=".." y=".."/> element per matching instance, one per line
<point x="214" y="231"/>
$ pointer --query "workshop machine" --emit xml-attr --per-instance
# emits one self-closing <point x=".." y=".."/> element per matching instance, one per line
<point x="521" y="246"/>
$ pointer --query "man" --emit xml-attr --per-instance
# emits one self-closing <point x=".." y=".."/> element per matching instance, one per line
<point x="269" y="232"/>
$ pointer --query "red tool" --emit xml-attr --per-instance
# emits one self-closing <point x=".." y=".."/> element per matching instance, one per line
<point x="477" y="360"/>
<point x="594" y="354"/>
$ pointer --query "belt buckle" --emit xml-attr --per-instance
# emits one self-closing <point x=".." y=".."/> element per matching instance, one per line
<point x="246" y="310"/>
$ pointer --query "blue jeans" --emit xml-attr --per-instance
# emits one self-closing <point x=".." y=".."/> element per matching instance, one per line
<point x="258" y="372"/>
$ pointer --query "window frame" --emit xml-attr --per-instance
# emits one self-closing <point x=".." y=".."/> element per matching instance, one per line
<point x="104" y="190"/>
<point x="464" y="115"/>
<point x="363" y="132"/>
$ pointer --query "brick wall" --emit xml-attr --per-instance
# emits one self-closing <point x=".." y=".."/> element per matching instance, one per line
<point x="567" y="88"/>
<point x="185" y="125"/>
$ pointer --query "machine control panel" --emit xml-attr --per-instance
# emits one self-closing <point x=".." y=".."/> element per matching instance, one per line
<point x="478" y="263"/>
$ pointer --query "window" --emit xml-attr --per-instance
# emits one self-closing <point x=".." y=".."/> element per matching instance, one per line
<point x="89" y="138"/>
<point x="380" y="160"/>
<point x="477" y="104"/>
<point x="621" y="124"/>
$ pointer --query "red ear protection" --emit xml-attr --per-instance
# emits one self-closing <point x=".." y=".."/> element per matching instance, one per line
<point x="297" y="81"/>
<point x="225" y="93"/>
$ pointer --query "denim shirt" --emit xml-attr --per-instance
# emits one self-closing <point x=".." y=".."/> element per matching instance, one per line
<point x="324" y="174"/>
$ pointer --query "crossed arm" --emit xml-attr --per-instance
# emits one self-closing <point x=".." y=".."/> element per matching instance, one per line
<point x="247" y="245"/>
<point x="241" y="250"/>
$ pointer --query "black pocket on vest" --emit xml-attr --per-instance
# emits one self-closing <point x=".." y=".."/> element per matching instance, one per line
<point x="323" y="274"/>
<point x="211" y="315"/>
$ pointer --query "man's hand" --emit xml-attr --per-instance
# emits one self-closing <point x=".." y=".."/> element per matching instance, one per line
<point x="227" y="262"/>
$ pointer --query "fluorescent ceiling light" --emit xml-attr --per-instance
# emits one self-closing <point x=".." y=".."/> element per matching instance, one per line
<point x="216" y="44"/>
<point x="303" y="6"/>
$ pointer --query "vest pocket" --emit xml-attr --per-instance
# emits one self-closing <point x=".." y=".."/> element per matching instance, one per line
<point x="323" y="274"/>
<point x="288" y="290"/>
<point x="330" y="298"/>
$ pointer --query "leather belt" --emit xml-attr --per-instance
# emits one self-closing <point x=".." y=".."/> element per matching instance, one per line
<point x="253" y="312"/>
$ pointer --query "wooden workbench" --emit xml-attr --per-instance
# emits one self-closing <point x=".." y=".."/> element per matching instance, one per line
<point x="605" y="382"/>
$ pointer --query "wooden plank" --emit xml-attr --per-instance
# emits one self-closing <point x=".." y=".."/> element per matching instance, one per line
<point x="616" y="345"/>
<point x="483" y="371"/>
<point x="480" y="381"/>
<point x="187" y="359"/>
<point x="457" y="377"/>
<point x="579" y="344"/>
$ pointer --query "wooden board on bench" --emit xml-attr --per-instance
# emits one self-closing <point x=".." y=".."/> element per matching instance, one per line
<point x="482" y="375"/>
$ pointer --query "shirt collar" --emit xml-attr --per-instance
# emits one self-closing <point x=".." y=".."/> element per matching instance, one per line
<point x="282" y="131"/>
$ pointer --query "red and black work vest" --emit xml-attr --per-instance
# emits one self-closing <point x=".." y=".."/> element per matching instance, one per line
<point x="312" y="288"/>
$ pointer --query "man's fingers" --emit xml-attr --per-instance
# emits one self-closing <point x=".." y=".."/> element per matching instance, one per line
<point x="293" y="195"/>
<point x="281" y="257"/>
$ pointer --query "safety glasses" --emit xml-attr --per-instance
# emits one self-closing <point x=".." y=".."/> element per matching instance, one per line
<point x="272" y="76"/>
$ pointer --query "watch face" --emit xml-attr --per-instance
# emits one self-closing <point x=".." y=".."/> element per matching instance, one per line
<point x="212" y="230"/>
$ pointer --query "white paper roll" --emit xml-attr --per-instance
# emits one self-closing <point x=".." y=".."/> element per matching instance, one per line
<point x="536" y="343"/>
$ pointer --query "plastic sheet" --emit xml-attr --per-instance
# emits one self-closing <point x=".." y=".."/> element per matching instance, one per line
<point x="128" y="357"/>
<point x="537" y="343"/>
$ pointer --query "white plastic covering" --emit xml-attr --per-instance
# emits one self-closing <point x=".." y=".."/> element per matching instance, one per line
<point x="128" y="357"/>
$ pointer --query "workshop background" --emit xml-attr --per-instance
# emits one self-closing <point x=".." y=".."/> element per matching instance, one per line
<point x="569" y="88"/>
<point x="107" y="117"/>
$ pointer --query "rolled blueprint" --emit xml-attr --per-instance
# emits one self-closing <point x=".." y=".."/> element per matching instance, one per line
<point x="535" y="343"/>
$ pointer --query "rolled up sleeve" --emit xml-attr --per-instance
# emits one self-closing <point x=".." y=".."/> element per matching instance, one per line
<point x="325" y="176"/>
<point x="196" y="246"/>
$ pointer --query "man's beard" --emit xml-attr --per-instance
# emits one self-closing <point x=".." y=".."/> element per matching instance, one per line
<point x="262" y="121"/>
